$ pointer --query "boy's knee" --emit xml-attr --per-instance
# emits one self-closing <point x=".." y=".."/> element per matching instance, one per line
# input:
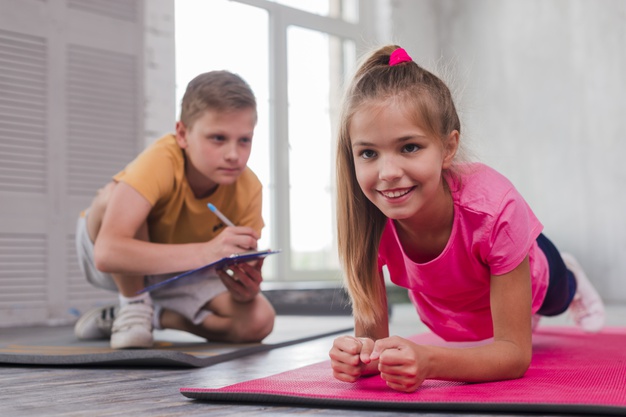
<point x="257" y="325"/>
<point x="103" y="195"/>
<point x="97" y="208"/>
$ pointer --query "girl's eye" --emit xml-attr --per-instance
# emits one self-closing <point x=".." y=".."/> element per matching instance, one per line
<point x="219" y="138"/>
<point x="410" y="148"/>
<point x="367" y="154"/>
<point x="245" y="140"/>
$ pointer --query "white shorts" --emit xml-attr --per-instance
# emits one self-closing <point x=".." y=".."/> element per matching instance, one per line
<point x="189" y="299"/>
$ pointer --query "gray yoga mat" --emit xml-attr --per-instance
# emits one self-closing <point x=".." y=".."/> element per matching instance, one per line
<point x="57" y="346"/>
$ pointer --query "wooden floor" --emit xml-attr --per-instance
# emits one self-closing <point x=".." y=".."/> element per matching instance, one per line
<point x="63" y="391"/>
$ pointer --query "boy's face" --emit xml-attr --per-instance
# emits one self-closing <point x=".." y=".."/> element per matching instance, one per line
<point x="217" y="146"/>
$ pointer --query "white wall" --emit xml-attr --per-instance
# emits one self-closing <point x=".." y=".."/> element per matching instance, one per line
<point x="159" y="69"/>
<point x="541" y="88"/>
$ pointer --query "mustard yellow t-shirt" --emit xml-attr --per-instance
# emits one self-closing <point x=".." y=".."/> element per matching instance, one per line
<point x="177" y="216"/>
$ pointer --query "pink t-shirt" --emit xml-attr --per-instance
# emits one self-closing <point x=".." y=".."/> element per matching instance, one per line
<point x="493" y="231"/>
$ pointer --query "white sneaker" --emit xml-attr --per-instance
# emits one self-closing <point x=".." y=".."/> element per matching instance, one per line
<point x="586" y="308"/>
<point x="132" y="328"/>
<point x="96" y="323"/>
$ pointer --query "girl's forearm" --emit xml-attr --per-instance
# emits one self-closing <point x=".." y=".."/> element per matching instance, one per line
<point x="499" y="360"/>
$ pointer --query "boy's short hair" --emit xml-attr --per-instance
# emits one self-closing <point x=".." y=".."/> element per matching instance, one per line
<point x="215" y="90"/>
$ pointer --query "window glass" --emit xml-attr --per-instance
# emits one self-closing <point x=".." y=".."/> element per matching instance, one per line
<point x="315" y="62"/>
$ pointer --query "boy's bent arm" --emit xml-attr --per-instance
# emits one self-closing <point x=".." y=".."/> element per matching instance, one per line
<point x="117" y="248"/>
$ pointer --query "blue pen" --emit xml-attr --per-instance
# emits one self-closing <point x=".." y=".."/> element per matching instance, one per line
<point x="220" y="215"/>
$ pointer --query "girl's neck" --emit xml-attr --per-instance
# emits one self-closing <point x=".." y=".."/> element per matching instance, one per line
<point x="425" y="236"/>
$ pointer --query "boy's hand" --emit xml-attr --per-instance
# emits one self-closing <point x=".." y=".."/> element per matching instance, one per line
<point x="350" y="357"/>
<point x="243" y="280"/>
<point x="400" y="363"/>
<point x="231" y="240"/>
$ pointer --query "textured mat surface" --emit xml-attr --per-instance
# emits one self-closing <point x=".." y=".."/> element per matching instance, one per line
<point x="58" y="346"/>
<point x="571" y="372"/>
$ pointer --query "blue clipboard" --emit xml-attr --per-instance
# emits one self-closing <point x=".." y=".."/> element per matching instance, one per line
<point x="222" y="263"/>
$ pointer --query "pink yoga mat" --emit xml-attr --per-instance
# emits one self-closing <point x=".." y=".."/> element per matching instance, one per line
<point x="570" y="372"/>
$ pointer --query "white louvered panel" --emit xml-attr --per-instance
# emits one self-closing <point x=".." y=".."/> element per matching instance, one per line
<point x="118" y="9"/>
<point x="102" y="116"/>
<point x="23" y="93"/>
<point x="80" y="293"/>
<point x="23" y="271"/>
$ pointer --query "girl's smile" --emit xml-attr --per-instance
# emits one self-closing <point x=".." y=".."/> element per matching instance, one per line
<point x="395" y="194"/>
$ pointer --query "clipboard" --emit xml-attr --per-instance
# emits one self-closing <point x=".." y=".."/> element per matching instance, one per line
<point x="220" y="264"/>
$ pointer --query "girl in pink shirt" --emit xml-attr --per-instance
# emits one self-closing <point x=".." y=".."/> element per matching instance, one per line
<point x="458" y="236"/>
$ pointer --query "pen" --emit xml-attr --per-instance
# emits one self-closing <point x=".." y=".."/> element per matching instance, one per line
<point x="220" y="215"/>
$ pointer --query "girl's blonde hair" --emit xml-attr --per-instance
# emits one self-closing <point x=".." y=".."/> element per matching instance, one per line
<point x="359" y="222"/>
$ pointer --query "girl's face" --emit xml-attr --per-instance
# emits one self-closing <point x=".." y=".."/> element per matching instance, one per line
<point x="398" y="166"/>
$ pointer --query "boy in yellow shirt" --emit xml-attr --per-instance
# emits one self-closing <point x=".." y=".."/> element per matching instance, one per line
<point x="151" y="222"/>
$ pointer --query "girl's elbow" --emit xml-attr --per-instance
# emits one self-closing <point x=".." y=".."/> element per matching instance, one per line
<point x="520" y="366"/>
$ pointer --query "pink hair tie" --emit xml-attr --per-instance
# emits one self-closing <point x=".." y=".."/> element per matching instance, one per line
<point x="398" y="57"/>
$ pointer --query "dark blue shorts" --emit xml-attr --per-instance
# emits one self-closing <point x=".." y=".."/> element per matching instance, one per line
<point x="562" y="284"/>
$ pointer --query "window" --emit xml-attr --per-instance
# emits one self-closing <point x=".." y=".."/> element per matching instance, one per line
<point x="313" y="97"/>
<point x="295" y="55"/>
